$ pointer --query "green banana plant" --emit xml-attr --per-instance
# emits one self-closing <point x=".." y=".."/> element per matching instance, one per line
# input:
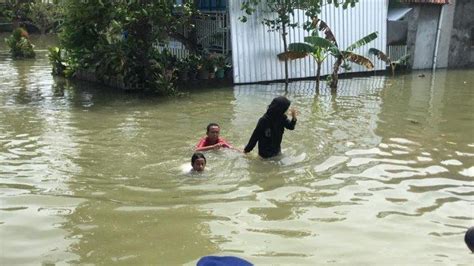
<point x="348" y="55"/>
<point x="314" y="46"/>
<point x="382" y="56"/>
<point x="320" y="48"/>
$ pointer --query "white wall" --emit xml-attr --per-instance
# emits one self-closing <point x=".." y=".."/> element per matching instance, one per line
<point x="254" y="49"/>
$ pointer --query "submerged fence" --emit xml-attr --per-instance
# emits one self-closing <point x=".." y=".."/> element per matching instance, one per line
<point x="396" y="52"/>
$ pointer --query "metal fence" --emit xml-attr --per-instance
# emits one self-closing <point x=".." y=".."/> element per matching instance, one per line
<point x="354" y="87"/>
<point x="213" y="31"/>
<point x="254" y="49"/>
<point x="213" y="35"/>
<point x="396" y="52"/>
<point x="175" y="48"/>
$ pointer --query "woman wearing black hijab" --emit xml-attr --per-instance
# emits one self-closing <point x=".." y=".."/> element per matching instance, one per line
<point x="270" y="127"/>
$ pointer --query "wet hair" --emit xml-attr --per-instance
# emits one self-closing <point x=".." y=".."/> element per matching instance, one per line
<point x="469" y="238"/>
<point x="211" y="125"/>
<point x="197" y="155"/>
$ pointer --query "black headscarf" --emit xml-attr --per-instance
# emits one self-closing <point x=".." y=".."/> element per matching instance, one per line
<point x="277" y="108"/>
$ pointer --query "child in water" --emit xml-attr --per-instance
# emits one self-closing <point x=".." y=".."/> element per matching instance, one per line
<point x="198" y="162"/>
<point x="212" y="140"/>
<point x="270" y="128"/>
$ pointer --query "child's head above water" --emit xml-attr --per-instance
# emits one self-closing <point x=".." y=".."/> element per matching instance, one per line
<point x="469" y="238"/>
<point x="198" y="161"/>
<point x="213" y="131"/>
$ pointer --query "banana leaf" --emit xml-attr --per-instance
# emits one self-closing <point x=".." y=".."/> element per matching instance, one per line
<point x="402" y="60"/>
<point x="358" y="59"/>
<point x="323" y="27"/>
<point x="296" y="51"/>
<point x="291" y="55"/>
<point x="300" y="47"/>
<point x="380" y="55"/>
<point x="362" y="41"/>
<point x="334" y="50"/>
<point x="319" y="42"/>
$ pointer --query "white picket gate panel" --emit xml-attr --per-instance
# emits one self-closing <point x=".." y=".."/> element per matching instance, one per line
<point x="396" y="52"/>
<point x="254" y="49"/>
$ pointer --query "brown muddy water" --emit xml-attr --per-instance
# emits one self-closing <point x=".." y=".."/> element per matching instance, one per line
<point x="380" y="173"/>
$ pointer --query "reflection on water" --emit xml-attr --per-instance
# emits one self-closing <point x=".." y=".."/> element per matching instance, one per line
<point x="382" y="170"/>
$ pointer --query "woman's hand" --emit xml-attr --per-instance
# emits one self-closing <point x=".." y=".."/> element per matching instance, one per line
<point x="293" y="113"/>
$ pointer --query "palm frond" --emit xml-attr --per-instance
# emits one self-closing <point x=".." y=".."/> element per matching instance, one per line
<point x="365" y="40"/>
<point x="358" y="59"/>
<point x="380" y="55"/>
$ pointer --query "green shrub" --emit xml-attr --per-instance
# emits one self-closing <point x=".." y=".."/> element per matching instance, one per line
<point x="57" y="61"/>
<point x="20" y="45"/>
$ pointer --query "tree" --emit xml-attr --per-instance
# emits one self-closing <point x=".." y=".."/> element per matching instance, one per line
<point x="318" y="48"/>
<point x="16" y="11"/>
<point x="37" y="13"/>
<point x="281" y="23"/>
<point x="118" y="38"/>
<point x="44" y="16"/>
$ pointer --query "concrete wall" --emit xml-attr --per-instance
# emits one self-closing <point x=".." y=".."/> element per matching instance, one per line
<point x="397" y="32"/>
<point x="412" y="19"/>
<point x="447" y="18"/>
<point x="426" y="36"/>
<point x="461" y="53"/>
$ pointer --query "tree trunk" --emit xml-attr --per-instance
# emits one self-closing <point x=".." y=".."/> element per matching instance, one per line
<point x="318" y="75"/>
<point x="285" y="47"/>
<point x="335" y="71"/>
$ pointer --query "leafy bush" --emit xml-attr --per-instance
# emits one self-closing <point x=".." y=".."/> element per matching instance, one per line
<point x="57" y="61"/>
<point x="45" y="16"/>
<point x="115" y="39"/>
<point x="20" y="45"/>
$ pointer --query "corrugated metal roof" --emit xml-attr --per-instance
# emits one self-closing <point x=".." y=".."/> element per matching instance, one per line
<point x="437" y="2"/>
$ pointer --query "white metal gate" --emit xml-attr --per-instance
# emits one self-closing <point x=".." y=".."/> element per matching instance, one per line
<point x="254" y="49"/>
<point x="395" y="52"/>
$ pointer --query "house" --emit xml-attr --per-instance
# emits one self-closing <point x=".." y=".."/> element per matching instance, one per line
<point x="436" y="33"/>
<point x="254" y="49"/>
<point x="212" y="29"/>
<point x="439" y="33"/>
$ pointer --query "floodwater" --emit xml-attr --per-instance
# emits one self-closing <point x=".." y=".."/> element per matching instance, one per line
<point x="380" y="173"/>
